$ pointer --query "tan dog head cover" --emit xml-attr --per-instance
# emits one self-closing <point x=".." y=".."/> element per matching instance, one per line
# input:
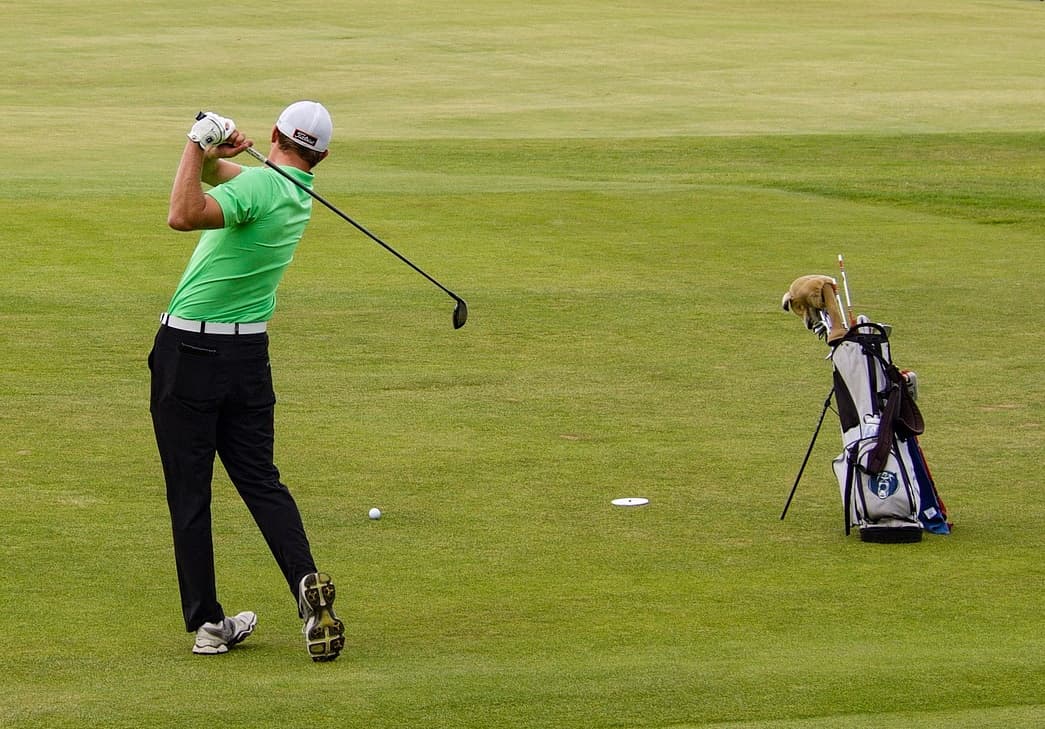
<point x="809" y="295"/>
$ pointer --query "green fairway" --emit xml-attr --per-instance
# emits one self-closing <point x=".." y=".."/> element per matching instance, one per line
<point x="622" y="193"/>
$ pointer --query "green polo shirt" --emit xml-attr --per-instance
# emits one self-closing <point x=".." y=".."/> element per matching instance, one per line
<point x="234" y="272"/>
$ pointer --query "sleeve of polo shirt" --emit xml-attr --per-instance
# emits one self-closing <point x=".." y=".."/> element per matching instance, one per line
<point x="237" y="197"/>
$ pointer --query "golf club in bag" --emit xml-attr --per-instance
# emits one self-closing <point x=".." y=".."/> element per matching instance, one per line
<point x="460" y="315"/>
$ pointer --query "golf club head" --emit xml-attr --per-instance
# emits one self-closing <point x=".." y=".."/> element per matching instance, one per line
<point x="460" y="313"/>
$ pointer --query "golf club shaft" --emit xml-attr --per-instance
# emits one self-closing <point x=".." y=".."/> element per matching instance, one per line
<point x="264" y="160"/>
<point x="845" y="285"/>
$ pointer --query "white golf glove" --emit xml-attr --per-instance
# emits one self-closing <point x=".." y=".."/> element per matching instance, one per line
<point x="211" y="129"/>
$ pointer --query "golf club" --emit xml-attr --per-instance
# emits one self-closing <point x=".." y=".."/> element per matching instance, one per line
<point x="838" y="300"/>
<point x="845" y="285"/>
<point x="460" y="308"/>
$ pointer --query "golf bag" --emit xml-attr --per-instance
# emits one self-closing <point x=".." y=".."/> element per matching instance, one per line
<point x="886" y="487"/>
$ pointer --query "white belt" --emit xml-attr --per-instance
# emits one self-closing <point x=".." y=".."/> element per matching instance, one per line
<point x="211" y="327"/>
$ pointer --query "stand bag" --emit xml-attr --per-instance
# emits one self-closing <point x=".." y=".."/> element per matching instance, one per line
<point x="886" y="487"/>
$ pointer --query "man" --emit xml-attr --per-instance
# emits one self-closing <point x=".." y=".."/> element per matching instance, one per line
<point x="211" y="382"/>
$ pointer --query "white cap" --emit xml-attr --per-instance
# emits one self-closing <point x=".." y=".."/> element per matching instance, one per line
<point x="307" y="123"/>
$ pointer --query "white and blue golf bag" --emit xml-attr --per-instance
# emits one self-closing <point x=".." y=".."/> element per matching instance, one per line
<point x="886" y="487"/>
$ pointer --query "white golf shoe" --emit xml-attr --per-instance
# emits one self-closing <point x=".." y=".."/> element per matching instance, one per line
<point x="214" y="638"/>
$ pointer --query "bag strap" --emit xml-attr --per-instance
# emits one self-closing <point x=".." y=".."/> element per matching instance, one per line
<point x="900" y="416"/>
<point x="908" y="414"/>
<point x="847" y="502"/>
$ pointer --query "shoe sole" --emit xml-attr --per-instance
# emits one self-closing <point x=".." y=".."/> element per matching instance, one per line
<point x="324" y="633"/>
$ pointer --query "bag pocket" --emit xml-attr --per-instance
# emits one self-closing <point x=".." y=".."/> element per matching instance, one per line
<point x="887" y="494"/>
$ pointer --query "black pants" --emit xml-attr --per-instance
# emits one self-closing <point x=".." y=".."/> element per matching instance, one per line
<point x="212" y="393"/>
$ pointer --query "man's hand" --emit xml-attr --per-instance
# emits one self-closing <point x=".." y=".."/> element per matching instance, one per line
<point x="211" y="129"/>
<point x="233" y="145"/>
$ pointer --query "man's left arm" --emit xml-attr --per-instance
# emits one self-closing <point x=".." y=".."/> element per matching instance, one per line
<point x="190" y="208"/>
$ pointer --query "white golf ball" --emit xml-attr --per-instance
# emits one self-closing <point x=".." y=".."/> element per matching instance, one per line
<point x="375" y="513"/>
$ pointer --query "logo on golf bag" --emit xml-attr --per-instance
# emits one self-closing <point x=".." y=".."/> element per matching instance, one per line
<point x="884" y="484"/>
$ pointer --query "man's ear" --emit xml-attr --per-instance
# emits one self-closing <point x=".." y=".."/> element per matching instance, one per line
<point x="275" y="135"/>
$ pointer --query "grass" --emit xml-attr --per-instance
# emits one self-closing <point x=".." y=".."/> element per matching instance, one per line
<point x="622" y="197"/>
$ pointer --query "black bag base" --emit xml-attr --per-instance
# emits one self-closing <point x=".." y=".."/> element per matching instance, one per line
<point x="891" y="535"/>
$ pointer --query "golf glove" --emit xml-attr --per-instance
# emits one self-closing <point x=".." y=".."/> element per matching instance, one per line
<point x="211" y="129"/>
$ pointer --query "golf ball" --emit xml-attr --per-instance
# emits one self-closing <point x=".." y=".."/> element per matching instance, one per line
<point x="375" y="513"/>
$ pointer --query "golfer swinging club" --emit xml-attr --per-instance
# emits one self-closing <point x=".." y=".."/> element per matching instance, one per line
<point x="211" y="383"/>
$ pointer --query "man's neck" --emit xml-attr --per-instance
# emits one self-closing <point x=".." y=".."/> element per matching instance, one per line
<point x="286" y="159"/>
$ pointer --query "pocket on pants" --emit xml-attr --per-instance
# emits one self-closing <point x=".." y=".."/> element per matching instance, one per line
<point x="256" y="383"/>
<point x="195" y="373"/>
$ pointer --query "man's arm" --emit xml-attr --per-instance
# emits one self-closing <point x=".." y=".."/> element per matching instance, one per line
<point x="216" y="171"/>
<point x="190" y="208"/>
